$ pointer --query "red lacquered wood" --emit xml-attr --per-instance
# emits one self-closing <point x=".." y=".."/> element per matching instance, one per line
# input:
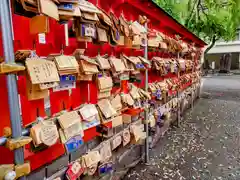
<point x="93" y="92"/>
<point x="133" y="111"/>
<point x="76" y="96"/>
<point x="6" y="156"/>
<point x="43" y="157"/>
<point x="85" y="90"/>
<point x="124" y="86"/>
<point x="59" y="101"/>
<point x="90" y="134"/>
<point x="30" y="109"/>
<point x="4" y="109"/>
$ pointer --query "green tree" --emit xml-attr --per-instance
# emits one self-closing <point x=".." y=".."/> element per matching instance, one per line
<point x="211" y="20"/>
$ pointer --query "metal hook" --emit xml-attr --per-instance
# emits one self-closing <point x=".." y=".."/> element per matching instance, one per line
<point x="62" y="49"/>
<point x="99" y="51"/>
<point x="34" y="44"/>
<point x="64" y="107"/>
<point x="39" y="118"/>
<point x="37" y="112"/>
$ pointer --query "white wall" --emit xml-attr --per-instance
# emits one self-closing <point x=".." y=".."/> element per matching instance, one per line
<point x="225" y="47"/>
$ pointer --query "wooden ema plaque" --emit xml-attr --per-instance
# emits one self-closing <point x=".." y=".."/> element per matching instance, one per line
<point x="105" y="151"/>
<point x="44" y="132"/>
<point x="116" y="141"/>
<point x="74" y="171"/>
<point x="42" y="71"/>
<point x="91" y="158"/>
<point x="53" y="41"/>
<point x="49" y="134"/>
<point x="126" y="136"/>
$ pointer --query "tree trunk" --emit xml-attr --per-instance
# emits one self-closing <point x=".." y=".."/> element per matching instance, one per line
<point x="206" y="64"/>
<point x="214" y="39"/>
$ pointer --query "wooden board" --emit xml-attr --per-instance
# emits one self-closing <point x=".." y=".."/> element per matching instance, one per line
<point x="42" y="71"/>
<point x="49" y="8"/>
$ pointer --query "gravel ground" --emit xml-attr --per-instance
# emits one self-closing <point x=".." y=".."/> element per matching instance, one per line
<point x="205" y="147"/>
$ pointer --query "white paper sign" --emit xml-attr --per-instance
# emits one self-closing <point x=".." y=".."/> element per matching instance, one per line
<point x="42" y="38"/>
<point x="213" y="65"/>
<point x="66" y="34"/>
<point x="65" y="86"/>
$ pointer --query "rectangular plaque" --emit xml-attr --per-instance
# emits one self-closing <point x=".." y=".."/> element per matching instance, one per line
<point x="42" y="71"/>
<point x="73" y="144"/>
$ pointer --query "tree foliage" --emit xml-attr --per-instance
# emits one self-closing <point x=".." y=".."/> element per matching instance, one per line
<point x="209" y="19"/>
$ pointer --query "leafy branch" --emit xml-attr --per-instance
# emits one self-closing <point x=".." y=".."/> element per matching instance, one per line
<point x="209" y="19"/>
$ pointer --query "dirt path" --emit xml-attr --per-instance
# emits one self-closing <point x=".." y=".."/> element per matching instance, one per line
<point x="206" y="147"/>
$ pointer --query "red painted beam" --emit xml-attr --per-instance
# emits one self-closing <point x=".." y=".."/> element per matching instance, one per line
<point x="155" y="12"/>
<point x="109" y="5"/>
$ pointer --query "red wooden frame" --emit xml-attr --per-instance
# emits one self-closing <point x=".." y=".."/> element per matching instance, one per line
<point x="131" y="9"/>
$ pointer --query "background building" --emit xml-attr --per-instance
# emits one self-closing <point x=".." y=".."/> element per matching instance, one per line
<point x="221" y="48"/>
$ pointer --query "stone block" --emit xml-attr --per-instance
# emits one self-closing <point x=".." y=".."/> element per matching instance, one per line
<point x="129" y="157"/>
<point x="93" y="143"/>
<point x="57" y="165"/>
<point x="77" y="154"/>
<point x="39" y="174"/>
<point x="118" y="129"/>
<point x="60" y="174"/>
